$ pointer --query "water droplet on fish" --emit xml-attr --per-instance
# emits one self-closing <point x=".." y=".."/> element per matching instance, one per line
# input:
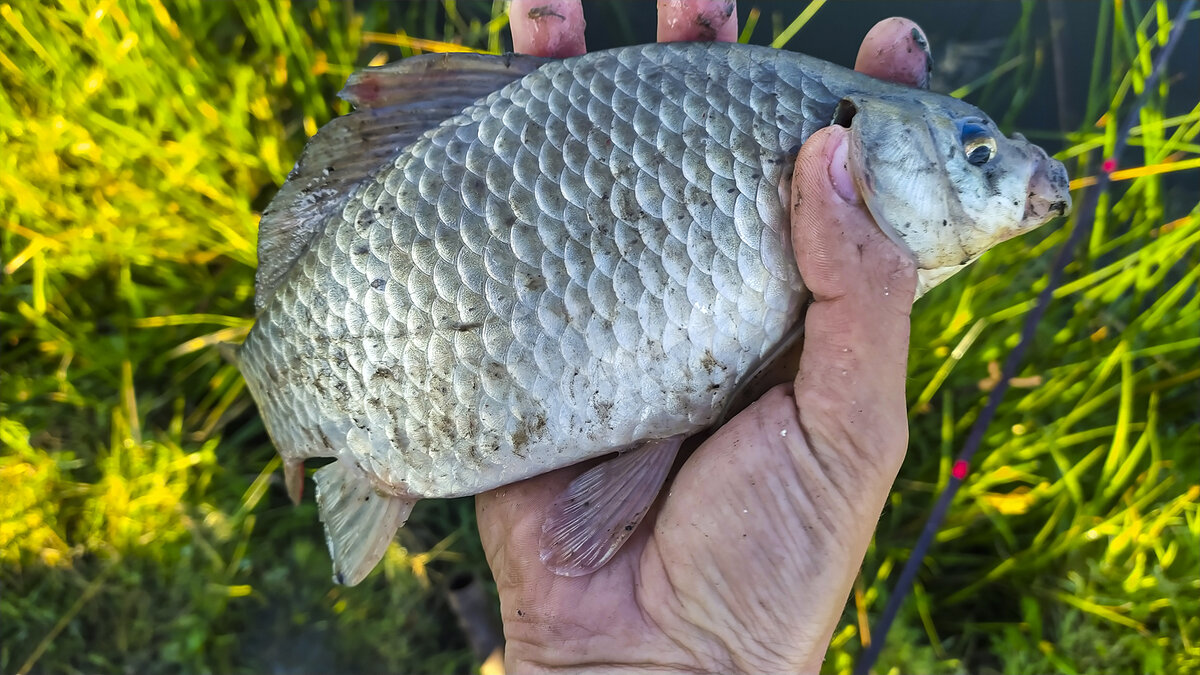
<point x="783" y="433"/>
<point x="843" y="372"/>
<point x="745" y="510"/>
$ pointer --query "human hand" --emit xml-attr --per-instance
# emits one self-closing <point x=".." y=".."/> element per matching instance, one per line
<point x="753" y="551"/>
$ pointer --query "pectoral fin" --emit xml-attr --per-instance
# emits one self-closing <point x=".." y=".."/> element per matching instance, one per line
<point x="600" y="509"/>
<point x="359" y="521"/>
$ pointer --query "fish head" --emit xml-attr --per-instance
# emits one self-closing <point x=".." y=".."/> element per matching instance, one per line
<point x="943" y="182"/>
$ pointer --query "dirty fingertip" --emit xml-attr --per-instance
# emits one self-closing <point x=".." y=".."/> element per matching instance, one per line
<point x="824" y="159"/>
<point x="820" y="215"/>
<point x="552" y="28"/>
<point x="697" y="21"/>
<point x="896" y="50"/>
<point x="836" y="240"/>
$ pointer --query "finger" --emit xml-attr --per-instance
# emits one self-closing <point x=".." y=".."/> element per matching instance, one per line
<point x="552" y="28"/>
<point x="697" y="21"/>
<point x="850" y="387"/>
<point x="896" y="50"/>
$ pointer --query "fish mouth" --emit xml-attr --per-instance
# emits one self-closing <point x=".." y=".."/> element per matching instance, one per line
<point x="1049" y="192"/>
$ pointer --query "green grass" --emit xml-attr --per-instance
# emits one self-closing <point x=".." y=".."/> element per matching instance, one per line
<point x="143" y="526"/>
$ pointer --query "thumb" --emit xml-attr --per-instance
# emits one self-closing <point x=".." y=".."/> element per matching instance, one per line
<point x="849" y="389"/>
<point x="551" y="28"/>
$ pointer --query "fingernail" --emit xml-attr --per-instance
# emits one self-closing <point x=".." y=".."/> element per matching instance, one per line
<point x="839" y="173"/>
<point x="919" y="38"/>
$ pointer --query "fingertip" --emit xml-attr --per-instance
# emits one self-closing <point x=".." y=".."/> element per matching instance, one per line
<point x="815" y="206"/>
<point x="836" y="239"/>
<point x="822" y="172"/>
<point x="697" y="21"/>
<point x="817" y="150"/>
<point x="551" y="28"/>
<point x="896" y="50"/>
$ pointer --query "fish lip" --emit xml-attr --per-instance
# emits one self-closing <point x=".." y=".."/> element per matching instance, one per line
<point x="865" y="186"/>
<point x="1048" y="192"/>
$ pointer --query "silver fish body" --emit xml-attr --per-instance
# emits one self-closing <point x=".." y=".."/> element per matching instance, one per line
<point x="593" y="255"/>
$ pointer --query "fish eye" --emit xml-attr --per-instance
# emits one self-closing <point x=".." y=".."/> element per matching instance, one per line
<point x="978" y="143"/>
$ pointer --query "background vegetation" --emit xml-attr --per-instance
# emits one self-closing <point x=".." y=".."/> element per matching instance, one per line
<point x="143" y="525"/>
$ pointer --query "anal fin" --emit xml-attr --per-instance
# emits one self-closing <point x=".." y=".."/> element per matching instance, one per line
<point x="359" y="521"/>
<point x="599" y="510"/>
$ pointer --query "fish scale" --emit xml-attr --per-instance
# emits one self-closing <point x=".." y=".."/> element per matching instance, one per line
<point x="496" y="330"/>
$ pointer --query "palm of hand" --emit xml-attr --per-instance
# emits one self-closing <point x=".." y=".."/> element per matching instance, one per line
<point x="746" y="563"/>
<point x="754" y="511"/>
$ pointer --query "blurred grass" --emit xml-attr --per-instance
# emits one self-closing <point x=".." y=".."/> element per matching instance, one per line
<point x="143" y="526"/>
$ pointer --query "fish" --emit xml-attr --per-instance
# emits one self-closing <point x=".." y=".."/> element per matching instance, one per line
<point x="498" y="266"/>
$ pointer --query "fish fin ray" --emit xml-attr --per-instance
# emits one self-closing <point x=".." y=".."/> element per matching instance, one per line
<point x="359" y="521"/>
<point x="394" y="105"/>
<point x="599" y="510"/>
<point x="293" y="478"/>
<point x="436" y="77"/>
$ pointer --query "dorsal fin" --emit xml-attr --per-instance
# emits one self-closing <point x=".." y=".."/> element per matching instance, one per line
<point x="394" y="104"/>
